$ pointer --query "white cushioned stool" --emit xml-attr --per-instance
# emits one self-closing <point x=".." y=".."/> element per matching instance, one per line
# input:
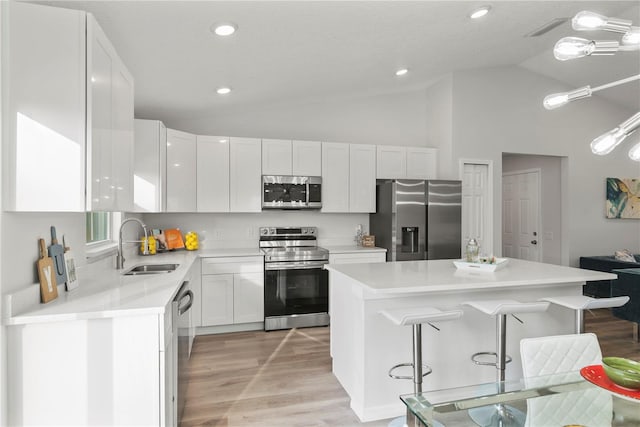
<point x="416" y="316"/>
<point x="579" y="303"/>
<point x="500" y="414"/>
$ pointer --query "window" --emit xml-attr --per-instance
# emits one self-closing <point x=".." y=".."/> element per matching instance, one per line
<point x="98" y="226"/>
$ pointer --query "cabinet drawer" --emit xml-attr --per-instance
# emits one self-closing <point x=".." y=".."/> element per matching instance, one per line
<point x="225" y="265"/>
<point x="357" y="258"/>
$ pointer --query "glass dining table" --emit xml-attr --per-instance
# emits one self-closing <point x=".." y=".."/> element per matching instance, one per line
<point x="558" y="400"/>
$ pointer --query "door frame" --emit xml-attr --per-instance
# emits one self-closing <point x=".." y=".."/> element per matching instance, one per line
<point x="538" y="172"/>
<point x="490" y="191"/>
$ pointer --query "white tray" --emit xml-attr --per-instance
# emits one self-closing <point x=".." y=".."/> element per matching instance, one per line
<point x="477" y="266"/>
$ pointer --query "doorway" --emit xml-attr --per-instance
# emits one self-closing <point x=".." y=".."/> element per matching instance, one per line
<point x="521" y="215"/>
<point x="545" y="197"/>
<point x="477" y="203"/>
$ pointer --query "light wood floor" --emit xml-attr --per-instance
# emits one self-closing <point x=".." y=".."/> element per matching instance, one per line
<point x="283" y="378"/>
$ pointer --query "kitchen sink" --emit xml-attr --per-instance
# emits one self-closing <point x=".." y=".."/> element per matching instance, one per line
<point x="151" y="269"/>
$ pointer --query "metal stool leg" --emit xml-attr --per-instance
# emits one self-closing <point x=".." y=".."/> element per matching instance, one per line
<point x="579" y="321"/>
<point x="417" y="358"/>
<point x="501" y="346"/>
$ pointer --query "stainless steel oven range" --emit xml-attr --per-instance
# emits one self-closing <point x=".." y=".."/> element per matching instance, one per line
<point x="296" y="286"/>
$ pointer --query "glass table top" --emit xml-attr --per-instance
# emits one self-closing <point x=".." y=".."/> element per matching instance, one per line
<point x="565" y="399"/>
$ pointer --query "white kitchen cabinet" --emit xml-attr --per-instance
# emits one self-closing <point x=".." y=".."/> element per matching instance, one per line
<point x="396" y="162"/>
<point x="232" y="290"/>
<point x="335" y="176"/>
<point x="212" y="173"/>
<point x="217" y="299"/>
<point x="276" y="157"/>
<point x="110" y="125"/>
<point x="181" y="171"/>
<point x="421" y="163"/>
<point x="43" y="76"/>
<point x="362" y="256"/>
<point x="362" y="178"/>
<point x="150" y="166"/>
<point x="245" y="175"/>
<point x="306" y="158"/>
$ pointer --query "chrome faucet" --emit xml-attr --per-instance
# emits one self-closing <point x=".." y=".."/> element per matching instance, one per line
<point x="120" y="255"/>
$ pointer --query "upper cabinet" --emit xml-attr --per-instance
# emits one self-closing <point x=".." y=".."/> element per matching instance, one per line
<point x="181" y="171"/>
<point x="286" y="157"/>
<point x="395" y="162"/>
<point x="245" y="175"/>
<point x="348" y="177"/>
<point x="212" y="173"/>
<point x="110" y="125"/>
<point x="150" y="166"/>
<point x="43" y="80"/>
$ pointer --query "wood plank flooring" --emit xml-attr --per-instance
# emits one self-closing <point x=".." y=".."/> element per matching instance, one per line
<point x="283" y="378"/>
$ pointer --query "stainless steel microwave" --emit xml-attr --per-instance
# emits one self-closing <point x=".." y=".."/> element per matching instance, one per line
<point x="291" y="192"/>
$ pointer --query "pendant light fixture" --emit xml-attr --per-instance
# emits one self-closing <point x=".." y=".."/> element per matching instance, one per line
<point x="569" y="48"/>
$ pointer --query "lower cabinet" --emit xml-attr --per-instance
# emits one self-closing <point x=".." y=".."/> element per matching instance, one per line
<point x="232" y="290"/>
<point x="357" y="257"/>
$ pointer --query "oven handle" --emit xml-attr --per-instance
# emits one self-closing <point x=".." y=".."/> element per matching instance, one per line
<point x="294" y="265"/>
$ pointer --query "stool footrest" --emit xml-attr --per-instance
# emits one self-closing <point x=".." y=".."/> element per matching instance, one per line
<point x="425" y="369"/>
<point x="475" y="358"/>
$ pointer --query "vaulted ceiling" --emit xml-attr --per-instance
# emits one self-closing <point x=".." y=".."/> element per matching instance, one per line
<point x="299" y="51"/>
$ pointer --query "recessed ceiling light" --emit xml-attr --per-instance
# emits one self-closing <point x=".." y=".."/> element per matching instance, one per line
<point x="480" y="12"/>
<point x="402" y="72"/>
<point x="223" y="90"/>
<point x="224" y="29"/>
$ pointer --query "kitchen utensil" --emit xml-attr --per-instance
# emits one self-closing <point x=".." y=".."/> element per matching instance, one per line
<point x="56" y="251"/>
<point x="70" y="265"/>
<point x="46" y="275"/>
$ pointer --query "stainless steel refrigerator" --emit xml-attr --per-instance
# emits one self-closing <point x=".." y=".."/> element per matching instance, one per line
<point x="418" y="219"/>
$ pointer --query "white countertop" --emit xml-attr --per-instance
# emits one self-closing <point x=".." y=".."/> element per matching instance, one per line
<point x="407" y="277"/>
<point x="105" y="292"/>
<point x="348" y="249"/>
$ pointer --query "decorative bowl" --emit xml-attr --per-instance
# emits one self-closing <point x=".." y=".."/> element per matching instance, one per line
<point x="623" y="372"/>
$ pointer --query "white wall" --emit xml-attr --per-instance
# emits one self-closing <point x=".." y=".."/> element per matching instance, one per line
<point x="241" y="230"/>
<point x="439" y="122"/>
<point x="499" y="110"/>
<point x="549" y="237"/>
<point x="391" y="119"/>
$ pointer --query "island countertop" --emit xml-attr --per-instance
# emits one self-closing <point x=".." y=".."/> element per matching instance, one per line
<point x="443" y="276"/>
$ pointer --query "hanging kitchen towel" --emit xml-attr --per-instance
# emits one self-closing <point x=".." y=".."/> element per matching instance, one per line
<point x="70" y="264"/>
<point x="56" y="252"/>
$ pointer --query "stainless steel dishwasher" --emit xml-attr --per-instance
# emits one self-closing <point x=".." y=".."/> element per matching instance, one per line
<point x="182" y="336"/>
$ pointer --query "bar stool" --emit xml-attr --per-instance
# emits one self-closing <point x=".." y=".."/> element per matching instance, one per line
<point x="579" y="303"/>
<point x="416" y="316"/>
<point x="501" y="414"/>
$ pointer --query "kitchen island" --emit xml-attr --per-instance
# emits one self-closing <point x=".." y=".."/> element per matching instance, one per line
<point x="364" y="344"/>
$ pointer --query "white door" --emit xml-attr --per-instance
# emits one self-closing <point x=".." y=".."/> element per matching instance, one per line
<point x="248" y="297"/>
<point x="335" y="177"/>
<point x="362" y="178"/>
<point x="245" y="175"/>
<point x="476" y="206"/>
<point x="212" y="171"/>
<point x="521" y="215"/>
<point x="181" y="171"/>
<point x="276" y="157"/>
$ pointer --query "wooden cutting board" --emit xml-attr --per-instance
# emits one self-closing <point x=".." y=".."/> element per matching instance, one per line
<point x="46" y="275"/>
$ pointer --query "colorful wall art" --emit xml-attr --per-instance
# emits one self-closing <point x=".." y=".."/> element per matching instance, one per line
<point x="623" y="198"/>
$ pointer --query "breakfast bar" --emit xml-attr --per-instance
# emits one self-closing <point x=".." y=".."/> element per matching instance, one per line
<point x="364" y="344"/>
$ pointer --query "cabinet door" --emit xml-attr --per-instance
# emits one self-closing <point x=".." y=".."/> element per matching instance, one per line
<point x="44" y="67"/>
<point x="357" y="258"/>
<point x="335" y="176"/>
<point x="123" y="137"/>
<point x="421" y="163"/>
<point x="100" y="65"/>
<point x="217" y="299"/>
<point x="212" y="173"/>
<point x="306" y="160"/>
<point x="181" y="171"/>
<point x="245" y="180"/>
<point x="276" y="157"/>
<point x="391" y="162"/>
<point x="150" y="166"/>
<point x="362" y="178"/>
<point x="248" y="297"/>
